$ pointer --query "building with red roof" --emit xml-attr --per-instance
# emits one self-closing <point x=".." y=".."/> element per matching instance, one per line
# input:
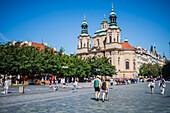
<point x="40" y="45"/>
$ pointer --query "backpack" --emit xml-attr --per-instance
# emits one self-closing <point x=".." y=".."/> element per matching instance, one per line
<point x="104" y="85"/>
<point x="96" y="83"/>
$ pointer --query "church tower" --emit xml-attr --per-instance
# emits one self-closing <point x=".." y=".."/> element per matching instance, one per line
<point x="84" y="39"/>
<point x="104" y="23"/>
<point x="113" y="32"/>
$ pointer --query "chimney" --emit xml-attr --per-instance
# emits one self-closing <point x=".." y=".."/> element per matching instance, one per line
<point x="26" y="42"/>
<point x="9" y="42"/>
<point x="45" y="44"/>
<point x="54" y="49"/>
<point x="29" y="43"/>
<point x="14" y="42"/>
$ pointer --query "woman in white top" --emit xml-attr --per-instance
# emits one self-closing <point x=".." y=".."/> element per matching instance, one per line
<point x="6" y="86"/>
<point x="75" y="85"/>
<point x="151" y="85"/>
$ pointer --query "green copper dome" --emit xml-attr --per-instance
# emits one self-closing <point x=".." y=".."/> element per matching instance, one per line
<point x="104" y="21"/>
<point x="112" y="13"/>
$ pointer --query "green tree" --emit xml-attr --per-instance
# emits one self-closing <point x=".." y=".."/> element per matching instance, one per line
<point x="166" y="70"/>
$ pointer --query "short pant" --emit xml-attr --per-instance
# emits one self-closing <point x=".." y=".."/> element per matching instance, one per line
<point x="6" y="87"/>
<point x="97" y="89"/>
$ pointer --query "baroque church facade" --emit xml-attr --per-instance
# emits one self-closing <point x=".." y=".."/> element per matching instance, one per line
<point x="107" y="43"/>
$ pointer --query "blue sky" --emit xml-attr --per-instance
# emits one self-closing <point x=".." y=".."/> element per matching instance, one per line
<point x="58" y="22"/>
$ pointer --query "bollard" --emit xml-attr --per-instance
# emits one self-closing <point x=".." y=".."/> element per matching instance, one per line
<point x="21" y="89"/>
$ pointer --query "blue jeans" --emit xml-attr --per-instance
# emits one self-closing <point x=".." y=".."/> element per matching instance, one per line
<point x="74" y="86"/>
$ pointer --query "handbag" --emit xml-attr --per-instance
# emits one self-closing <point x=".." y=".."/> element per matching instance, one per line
<point x="163" y="86"/>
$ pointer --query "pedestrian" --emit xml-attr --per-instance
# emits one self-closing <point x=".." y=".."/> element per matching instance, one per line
<point x="50" y="82"/>
<point x="64" y="83"/>
<point x="42" y="81"/>
<point x="55" y="87"/>
<point x="75" y="85"/>
<point x="6" y="86"/>
<point x="111" y="83"/>
<point x="72" y="79"/>
<point x="105" y="90"/>
<point x="97" y="84"/>
<point x="162" y="86"/>
<point x="151" y="85"/>
<point x="22" y="79"/>
<point x="16" y="81"/>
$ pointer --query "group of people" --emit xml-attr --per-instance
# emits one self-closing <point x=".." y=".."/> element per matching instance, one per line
<point x="54" y="83"/>
<point x="161" y="85"/>
<point x="101" y="85"/>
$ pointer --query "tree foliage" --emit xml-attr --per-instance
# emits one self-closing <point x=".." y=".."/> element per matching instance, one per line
<point x="28" y="60"/>
<point x="166" y="70"/>
<point x="149" y="70"/>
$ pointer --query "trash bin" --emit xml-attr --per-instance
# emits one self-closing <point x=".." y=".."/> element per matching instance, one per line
<point x="21" y="89"/>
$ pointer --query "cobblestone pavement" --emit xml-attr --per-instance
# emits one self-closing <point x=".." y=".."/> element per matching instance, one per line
<point x="135" y="98"/>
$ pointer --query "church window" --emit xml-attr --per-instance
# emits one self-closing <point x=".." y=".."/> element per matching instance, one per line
<point x="110" y="61"/>
<point x="98" y="42"/>
<point x="110" y="39"/>
<point x="127" y="65"/>
<point x="87" y="44"/>
<point x="81" y="44"/>
<point x="114" y="39"/>
<point x="117" y="38"/>
<point x="104" y="42"/>
<point x="110" y="53"/>
<point x="134" y="66"/>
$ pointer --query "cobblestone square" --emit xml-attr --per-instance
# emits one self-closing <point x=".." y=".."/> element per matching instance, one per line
<point x="135" y="98"/>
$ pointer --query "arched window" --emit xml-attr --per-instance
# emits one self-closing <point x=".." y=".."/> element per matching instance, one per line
<point x="81" y="45"/>
<point x="117" y="38"/>
<point x="134" y="66"/>
<point x="98" y="42"/>
<point x="127" y="64"/>
<point x="87" y="44"/>
<point x="110" y="39"/>
<point x="114" y="40"/>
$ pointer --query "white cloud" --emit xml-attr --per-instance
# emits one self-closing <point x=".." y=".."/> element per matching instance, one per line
<point x="3" y="37"/>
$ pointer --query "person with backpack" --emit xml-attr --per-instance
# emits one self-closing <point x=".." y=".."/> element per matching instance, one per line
<point x="151" y="85"/>
<point x="97" y="84"/>
<point x="105" y="90"/>
<point x="162" y="86"/>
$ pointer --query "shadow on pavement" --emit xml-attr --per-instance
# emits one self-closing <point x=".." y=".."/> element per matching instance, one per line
<point x="93" y="99"/>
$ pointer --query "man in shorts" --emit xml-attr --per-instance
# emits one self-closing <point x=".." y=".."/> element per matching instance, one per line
<point x="97" y="85"/>
<point x="105" y="90"/>
<point x="6" y="86"/>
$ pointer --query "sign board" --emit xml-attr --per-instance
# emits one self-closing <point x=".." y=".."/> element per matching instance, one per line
<point x="97" y="69"/>
<point x="65" y="67"/>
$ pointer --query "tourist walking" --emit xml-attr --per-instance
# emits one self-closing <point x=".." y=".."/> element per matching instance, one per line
<point x="75" y="85"/>
<point x="42" y="81"/>
<point x="63" y="82"/>
<point x="50" y="82"/>
<point x="162" y="86"/>
<point x="55" y="87"/>
<point x="105" y="90"/>
<point x="97" y="85"/>
<point x="111" y="83"/>
<point x="6" y="86"/>
<point x="151" y="85"/>
<point x="16" y="81"/>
